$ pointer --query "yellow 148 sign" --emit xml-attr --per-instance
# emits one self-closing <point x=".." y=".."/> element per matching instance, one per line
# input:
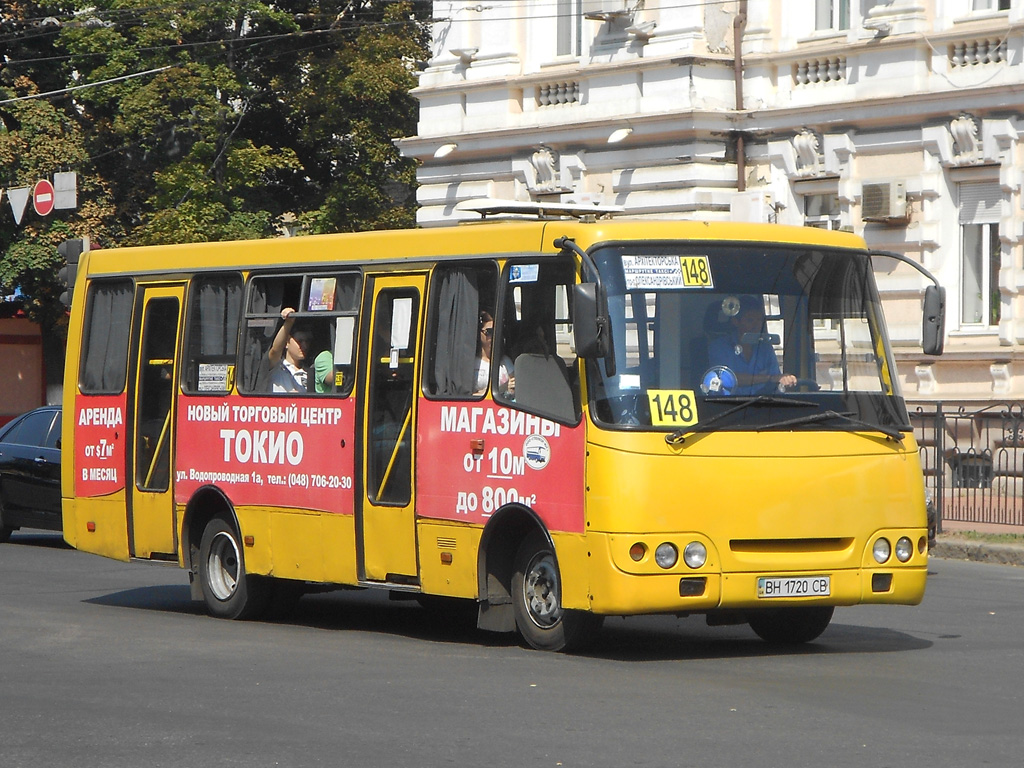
<point x="672" y="407"/>
<point x="696" y="272"/>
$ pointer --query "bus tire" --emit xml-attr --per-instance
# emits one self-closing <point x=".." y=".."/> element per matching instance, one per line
<point x="536" y="601"/>
<point x="790" y="626"/>
<point x="229" y="592"/>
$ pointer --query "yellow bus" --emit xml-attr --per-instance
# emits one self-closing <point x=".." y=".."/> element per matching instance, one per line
<point x="561" y="417"/>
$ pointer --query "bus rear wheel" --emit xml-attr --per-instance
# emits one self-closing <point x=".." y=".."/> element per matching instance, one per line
<point x="790" y="626"/>
<point x="229" y="592"/>
<point x="536" y="601"/>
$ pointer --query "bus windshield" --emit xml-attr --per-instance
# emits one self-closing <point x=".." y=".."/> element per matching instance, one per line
<point x="741" y="336"/>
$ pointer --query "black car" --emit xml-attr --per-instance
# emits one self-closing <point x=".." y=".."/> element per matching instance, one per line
<point x="30" y="472"/>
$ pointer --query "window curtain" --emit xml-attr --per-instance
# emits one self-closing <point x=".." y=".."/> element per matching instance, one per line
<point x="458" y="319"/>
<point x="105" y="356"/>
<point x="219" y="302"/>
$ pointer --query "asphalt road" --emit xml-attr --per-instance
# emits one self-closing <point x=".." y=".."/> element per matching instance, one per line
<point x="110" y="664"/>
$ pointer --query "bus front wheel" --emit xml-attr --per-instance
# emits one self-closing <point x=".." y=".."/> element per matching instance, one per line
<point x="229" y="592"/>
<point x="536" y="600"/>
<point x="790" y="626"/>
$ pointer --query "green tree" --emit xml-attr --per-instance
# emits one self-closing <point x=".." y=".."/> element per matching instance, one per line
<point x="204" y="120"/>
<point x="175" y="144"/>
<point x="36" y="139"/>
<point x="351" y="113"/>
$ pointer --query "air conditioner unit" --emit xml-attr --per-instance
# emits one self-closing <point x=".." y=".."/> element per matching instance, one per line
<point x="884" y="201"/>
<point x="753" y="206"/>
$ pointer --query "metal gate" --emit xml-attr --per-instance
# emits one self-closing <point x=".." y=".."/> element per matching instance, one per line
<point x="973" y="462"/>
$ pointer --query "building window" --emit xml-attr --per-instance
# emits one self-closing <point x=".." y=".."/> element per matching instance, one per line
<point x="979" y="254"/>
<point x="821" y="211"/>
<point x="568" y="30"/>
<point x="991" y="5"/>
<point x="831" y="14"/>
<point x="840" y="15"/>
<point x="980" y="300"/>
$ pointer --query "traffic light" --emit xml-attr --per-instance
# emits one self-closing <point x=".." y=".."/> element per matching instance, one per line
<point x="70" y="250"/>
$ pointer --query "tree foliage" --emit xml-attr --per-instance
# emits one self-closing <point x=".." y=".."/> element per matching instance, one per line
<point x="222" y="119"/>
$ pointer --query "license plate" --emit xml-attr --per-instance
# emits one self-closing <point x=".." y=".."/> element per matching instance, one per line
<point x="786" y="586"/>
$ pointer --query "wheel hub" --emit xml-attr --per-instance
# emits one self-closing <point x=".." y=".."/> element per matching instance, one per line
<point x="540" y="588"/>
<point x="223" y="566"/>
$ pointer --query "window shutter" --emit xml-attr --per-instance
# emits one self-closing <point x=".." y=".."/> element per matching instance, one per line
<point x="979" y="202"/>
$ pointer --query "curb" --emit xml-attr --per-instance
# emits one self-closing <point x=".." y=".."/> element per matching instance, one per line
<point x="980" y="552"/>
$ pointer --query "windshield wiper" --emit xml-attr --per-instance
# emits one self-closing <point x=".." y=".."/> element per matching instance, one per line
<point x="679" y="436"/>
<point x="890" y="432"/>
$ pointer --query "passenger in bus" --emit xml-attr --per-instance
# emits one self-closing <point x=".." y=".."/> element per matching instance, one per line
<point x="754" y="363"/>
<point x="286" y="355"/>
<point x="485" y="345"/>
<point x="323" y="372"/>
<point x="321" y="368"/>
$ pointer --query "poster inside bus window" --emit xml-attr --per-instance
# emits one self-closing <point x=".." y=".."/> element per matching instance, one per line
<point x="321" y="294"/>
<point x="657" y="272"/>
<point x="345" y="328"/>
<point x="215" y="377"/>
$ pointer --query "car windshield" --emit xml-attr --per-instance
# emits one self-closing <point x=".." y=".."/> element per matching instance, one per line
<point x="740" y="336"/>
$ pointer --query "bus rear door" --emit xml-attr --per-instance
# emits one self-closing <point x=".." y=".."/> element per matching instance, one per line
<point x="151" y="498"/>
<point x="387" y="520"/>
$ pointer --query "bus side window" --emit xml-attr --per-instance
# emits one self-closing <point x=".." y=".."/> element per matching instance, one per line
<point x="460" y="331"/>
<point x="108" y="323"/>
<point x="332" y="302"/>
<point x="268" y="295"/>
<point x="325" y="307"/>
<point x="536" y="335"/>
<point x="214" y="311"/>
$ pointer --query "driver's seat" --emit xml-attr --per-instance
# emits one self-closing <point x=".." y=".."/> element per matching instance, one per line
<point x="714" y="326"/>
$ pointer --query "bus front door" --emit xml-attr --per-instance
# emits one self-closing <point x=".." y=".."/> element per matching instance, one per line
<point x="387" y="519"/>
<point x="151" y="528"/>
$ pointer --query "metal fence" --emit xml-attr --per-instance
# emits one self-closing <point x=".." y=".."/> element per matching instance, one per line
<point x="973" y="462"/>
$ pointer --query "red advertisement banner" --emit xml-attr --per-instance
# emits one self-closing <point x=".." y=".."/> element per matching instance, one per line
<point x="99" y="444"/>
<point x="272" y="451"/>
<point x="472" y="458"/>
<point x="476" y="457"/>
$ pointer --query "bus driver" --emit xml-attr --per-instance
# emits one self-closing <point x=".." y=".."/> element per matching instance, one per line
<point x="753" y="361"/>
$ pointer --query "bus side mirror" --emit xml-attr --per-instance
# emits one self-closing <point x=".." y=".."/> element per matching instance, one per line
<point x="934" y="323"/>
<point x="588" y="334"/>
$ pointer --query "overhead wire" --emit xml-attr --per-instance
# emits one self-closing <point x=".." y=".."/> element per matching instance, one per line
<point x="478" y="6"/>
<point x="338" y="23"/>
<point x="212" y="56"/>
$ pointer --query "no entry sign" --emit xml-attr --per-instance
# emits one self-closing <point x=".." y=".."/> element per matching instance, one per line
<point x="42" y="197"/>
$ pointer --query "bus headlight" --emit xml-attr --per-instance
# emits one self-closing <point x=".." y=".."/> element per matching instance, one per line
<point x="882" y="550"/>
<point x="904" y="549"/>
<point x="666" y="555"/>
<point x="695" y="554"/>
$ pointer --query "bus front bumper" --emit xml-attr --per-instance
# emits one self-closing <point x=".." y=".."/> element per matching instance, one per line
<point x="613" y="591"/>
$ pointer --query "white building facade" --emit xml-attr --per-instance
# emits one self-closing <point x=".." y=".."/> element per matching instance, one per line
<point x="900" y="120"/>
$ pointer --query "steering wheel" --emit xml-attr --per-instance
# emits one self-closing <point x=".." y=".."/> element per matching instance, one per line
<point x="807" y="385"/>
<point x="627" y="408"/>
<point x="718" y="380"/>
